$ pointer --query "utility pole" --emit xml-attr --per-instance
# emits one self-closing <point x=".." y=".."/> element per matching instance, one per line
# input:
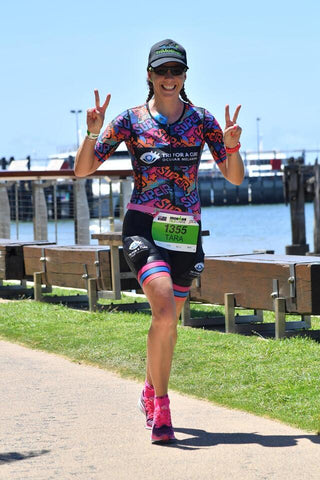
<point x="76" y="112"/>
<point x="258" y="137"/>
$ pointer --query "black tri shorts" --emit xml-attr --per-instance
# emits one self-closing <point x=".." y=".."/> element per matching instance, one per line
<point x="148" y="261"/>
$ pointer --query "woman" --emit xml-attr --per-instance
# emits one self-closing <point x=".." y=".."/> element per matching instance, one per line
<point x="161" y="230"/>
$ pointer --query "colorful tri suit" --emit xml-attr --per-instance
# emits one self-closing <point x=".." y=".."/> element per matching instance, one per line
<point x="165" y="161"/>
<point x="165" y="158"/>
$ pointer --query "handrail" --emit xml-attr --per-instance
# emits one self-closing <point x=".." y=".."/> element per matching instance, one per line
<point x="49" y="174"/>
<point x="61" y="194"/>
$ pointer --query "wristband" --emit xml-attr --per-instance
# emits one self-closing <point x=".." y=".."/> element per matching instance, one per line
<point x="233" y="149"/>
<point x="92" y="136"/>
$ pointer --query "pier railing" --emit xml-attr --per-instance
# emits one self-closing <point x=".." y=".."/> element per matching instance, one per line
<point x="39" y="196"/>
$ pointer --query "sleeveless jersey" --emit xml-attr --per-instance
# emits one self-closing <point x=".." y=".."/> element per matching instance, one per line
<point x="165" y="157"/>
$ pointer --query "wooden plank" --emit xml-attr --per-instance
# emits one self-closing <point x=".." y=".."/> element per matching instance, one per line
<point x="11" y="259"/>
<point x="64" y="265"/>
<point x="251" y="279"/>
<point x="219" y="321"/>
<point x="251" y="284"/>
<point x="108" y="238"/>
<point x="266" y="258"/>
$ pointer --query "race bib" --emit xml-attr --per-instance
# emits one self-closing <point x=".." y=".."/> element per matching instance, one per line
<point x="175" y="232"/>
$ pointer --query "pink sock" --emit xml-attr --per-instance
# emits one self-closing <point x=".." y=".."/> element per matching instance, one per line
<point x="148" y="389"/>
<point x="164" y="400"/>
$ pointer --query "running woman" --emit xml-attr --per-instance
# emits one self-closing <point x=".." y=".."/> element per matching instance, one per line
<point x="162" y="228"/>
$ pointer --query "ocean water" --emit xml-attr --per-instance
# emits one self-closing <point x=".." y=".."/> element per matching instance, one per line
<point x="244" y="228"/>
<point x="233" y="229"/>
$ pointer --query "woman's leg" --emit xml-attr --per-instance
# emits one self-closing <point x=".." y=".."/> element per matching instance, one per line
<point x="179" y="306"/>
<point x="162" y="334"/>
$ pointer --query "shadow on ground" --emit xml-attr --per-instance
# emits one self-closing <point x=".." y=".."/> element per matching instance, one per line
<point x="201" y="439"/>
<point x="16" y="456"/>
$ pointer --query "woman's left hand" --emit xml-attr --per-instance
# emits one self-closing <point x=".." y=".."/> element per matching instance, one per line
<point x="232" y="131"/>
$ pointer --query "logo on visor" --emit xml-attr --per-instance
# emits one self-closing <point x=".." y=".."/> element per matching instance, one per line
<point x="150" y="157"/>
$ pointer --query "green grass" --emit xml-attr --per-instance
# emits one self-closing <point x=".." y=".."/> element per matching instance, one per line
<point x="279" y="379"/>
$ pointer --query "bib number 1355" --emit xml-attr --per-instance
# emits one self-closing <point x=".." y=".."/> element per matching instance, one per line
<point x="178" y="229"/>
<point x="175" y="232"/>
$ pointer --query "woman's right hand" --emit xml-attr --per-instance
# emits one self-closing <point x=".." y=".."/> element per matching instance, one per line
<point x="95" y="116"/>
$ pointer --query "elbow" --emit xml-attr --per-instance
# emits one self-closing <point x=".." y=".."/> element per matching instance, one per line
<point x="239" y="180"/>
<point x="239" y="177"/>
<point x="77" y="172"/>
<point x="235" y="179"/>
<point x="83" y="167"/>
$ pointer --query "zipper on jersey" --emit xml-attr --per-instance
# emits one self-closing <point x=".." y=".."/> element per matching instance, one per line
<point x="172" y="181"/>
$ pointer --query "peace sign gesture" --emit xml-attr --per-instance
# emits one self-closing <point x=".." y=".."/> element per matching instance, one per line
<point x="95" y="116"/>
<point x="232" y="130"/>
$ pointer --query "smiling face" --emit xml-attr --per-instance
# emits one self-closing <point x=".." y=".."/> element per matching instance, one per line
<point x="167" y="86"/>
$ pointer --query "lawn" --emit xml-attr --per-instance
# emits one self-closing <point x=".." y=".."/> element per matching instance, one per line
<point x="278" y="379"/>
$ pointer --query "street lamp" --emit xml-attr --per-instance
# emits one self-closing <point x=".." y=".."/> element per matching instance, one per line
<point x="76" y="112"/>
<point x="258" y="137"/>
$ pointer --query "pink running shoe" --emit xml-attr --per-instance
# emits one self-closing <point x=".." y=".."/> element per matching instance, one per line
<point x="162" y="431"/>
<point x="146" y="405"/>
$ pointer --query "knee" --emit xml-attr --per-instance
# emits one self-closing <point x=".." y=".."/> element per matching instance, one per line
<point x="164" y="314"/>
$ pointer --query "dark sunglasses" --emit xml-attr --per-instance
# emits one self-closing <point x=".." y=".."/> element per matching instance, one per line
<point x="175" y="71"/>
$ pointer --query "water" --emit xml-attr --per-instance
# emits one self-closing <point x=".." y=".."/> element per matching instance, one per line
<point x="233" y="229"/>
<point x="244" y="228"/>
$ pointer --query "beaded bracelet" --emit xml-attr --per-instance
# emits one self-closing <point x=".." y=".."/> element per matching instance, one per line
<point x="233" y="149"/>
<point x="92" y="136"/>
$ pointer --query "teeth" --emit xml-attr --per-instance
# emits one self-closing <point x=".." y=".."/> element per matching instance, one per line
<point x="168" y="88"/>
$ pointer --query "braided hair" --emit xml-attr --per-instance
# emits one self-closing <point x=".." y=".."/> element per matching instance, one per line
<point x="183" y="94"/>
<point x="151" y="91"/>
<point x="184" y="97"/>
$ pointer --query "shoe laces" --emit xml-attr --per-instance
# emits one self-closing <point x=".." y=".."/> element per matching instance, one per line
<point x="149" y="406"/>
<point x="162" y="416"/>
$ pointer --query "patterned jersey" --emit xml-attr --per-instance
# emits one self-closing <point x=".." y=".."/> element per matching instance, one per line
<point x="165" y="157"/>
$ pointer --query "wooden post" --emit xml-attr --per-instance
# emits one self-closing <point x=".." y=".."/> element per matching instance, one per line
<point x="4" y="212"/>
<point x="81" y="213"/>
<point x="229" y="313"/>
<point x="280" y="317"/>
<point x="115" y="271"/>
<point x="307" y="320"/>
<point x="295" y="184"/>
<point x="259" y="315"/>
<point x="40" y="214"/>
<point x="92" y="294"/>
<point x="316" y="204"/>
<point x="37" y="279"/>
<point x="185" y="313"/>
<point x="111" y="212"/>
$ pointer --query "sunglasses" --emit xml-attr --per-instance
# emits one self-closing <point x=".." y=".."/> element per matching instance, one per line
<point x="175" y="71"/>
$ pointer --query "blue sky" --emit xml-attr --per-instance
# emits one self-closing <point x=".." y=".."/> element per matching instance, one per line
<point x="264" y="55"/>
